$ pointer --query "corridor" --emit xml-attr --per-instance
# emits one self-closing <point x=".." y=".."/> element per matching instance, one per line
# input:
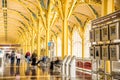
<point x="59" y="39"/>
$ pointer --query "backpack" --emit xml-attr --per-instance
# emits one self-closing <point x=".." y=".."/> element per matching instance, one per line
<point x="26" y="56"/>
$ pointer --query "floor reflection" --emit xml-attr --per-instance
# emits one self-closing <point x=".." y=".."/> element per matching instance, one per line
<point x="33" y="74"/>
<point x="12" y="72"/>
<point x="27" y="72"/>
<point x="17" y="74"/>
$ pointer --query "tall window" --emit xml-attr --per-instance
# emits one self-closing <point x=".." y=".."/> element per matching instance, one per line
<point x="59" y="47"/>
<point x="69" y="47"/>
<point x="87" y="41"/>
<point x="54" y="50"/>
<point x="77" y="44"/>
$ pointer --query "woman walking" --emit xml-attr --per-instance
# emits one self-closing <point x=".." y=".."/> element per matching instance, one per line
<point x="18" y="57"/>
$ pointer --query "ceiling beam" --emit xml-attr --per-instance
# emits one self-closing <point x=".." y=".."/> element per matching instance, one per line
<point x="71" y="8"/>
<point x="95" y="13"/>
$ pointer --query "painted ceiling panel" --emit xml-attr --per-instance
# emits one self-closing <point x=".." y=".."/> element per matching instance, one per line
<point x="31" y="5"/>
<point x="84" y="9"/>
<point x="98" y="9"/>
<point x="17" y="7"/>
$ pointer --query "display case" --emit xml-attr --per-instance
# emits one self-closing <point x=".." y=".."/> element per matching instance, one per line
<point x="87" y="66"/>
<point x="82" y="75"/>
<point x="104" y="31"/>
<point x="105" y="52"/>
<point x="80" y="63"/>
<point x="94" y="66"/>
<point x="101" y="66"/>
<point x="116" y="66"/>
<point x="116" y="70"/>
<point x="98" y="52"/>
<point x="114" y="52"/>
<point x="114" y="31"/>
<point x="108" y="77"/>
<point x="92" y="36"/>
<point x="97" y="34"/>
<point x="92" y="52"/>
<point x="94" y="77"/>
<point x="110" y="46"/>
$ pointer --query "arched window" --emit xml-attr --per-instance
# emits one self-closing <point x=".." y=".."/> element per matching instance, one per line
<point x="77" y="44"/>
<point x="87" y="41"/>
<point x="69" y="53"/>
<point x="59" y="47"/>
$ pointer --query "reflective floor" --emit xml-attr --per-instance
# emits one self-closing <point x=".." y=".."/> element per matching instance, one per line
<point x="27" y="72"/>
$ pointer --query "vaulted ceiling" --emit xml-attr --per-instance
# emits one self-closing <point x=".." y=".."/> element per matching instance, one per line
<point x="17" y="15"/>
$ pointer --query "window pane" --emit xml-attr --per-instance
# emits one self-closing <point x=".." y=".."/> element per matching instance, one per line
<point x="59" y="47"/>
<point x="87" y="41"/>
<point x="77" y="44"/>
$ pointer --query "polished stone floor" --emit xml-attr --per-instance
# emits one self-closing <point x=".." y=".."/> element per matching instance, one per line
<point x="25" y="72"/>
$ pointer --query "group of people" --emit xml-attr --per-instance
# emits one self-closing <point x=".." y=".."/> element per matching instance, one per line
<point x="31" y="58"/>
<point x="14" y="55"/>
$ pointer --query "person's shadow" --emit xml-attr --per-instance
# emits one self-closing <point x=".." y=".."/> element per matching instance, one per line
<point x="11" y="69"/>
<point x="34" y="77"/>
<point x="17" y="73"/>
<point x="18" y="70"/>
<point x="27" y="72"/>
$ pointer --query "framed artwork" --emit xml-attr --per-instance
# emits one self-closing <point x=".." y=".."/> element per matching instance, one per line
<point x="114" y="31"/>
<point x="104" y="31"/>
<point x="105" y="53"/>
<point x="92" y="36"/>
<point x="114" y="52"/>
<point x="97" y="52"/>
<point x="97" y="34"/>
<point x="92" y="52"/>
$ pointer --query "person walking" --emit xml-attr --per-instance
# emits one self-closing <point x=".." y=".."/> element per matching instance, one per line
<point x="18" y="57"/>
<point x="12" y="57"/>
<point x="27" y="56"/>
<point x="34" y="58"/>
